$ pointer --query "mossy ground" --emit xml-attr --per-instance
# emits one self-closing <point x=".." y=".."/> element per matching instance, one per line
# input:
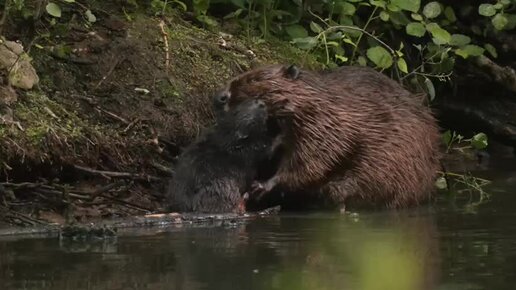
<point x="90" y="110"/>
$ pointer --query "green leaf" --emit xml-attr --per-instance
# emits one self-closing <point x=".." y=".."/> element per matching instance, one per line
<point x="432" y="10"/>
<point x="441" y="183"/>
<point x="296" y="31"/>
<point x="348" y="41"/>
<point x="447" y="137"/>
<point x="347" y="8"/>
<point x="409" y="5"/>
<point x="341" y="58"/>
<point x="491" y="49"/>
<point x="459" y="40"/>
<point x="473" y="50"/>
<point x="440" y="36"/>
<point x="239" y="3"/>
<point x="402" y="65"/>
<point x="416" y="16"/>
<point x="430" y="88"/>
<point x="315" y="27"/>
<point x="486" y="10"/>
<point x="69" y="1"/>
<point x="479" y="141"/>
<point x="362" y="61"/>
<point x="53" y="9"/>
<point x="384" y="16"/>
<point x="461" y="52"/>
<point x="415" y="29"/>
<point x="393" y="7"/>
<point x="306" y="43"/>
<point x="469" y="50"/>
<point x="233" y="14"/>
<point x="505" y="2"/>
<point x="379" y="56"/>
<point x="499" y="21"/>
<point x="378" y="3"/>
<point x="498" y="6"/>
<point x="450" y="14"/>
<point x="90" y="16"/>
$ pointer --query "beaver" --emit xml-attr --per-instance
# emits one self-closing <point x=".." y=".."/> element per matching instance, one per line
<point x="353" y="133"/>
<point x="212" y="173"/>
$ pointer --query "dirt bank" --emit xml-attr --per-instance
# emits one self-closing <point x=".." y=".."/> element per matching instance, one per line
<point x="115" y="103"/>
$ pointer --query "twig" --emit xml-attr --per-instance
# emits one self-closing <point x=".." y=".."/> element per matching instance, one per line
<point x="113" y="115"/>
<point x="109" y="174"/>
<point x="118" y="60"/>
<point x="165" y="40"/>
<point x="164" y="169"/>
<point x="24" y="217"/>
<point x="104" y="189"/>
<point x="131" y="125"/>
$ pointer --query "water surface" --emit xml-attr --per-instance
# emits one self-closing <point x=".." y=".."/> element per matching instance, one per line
<point x="443" y="246"/>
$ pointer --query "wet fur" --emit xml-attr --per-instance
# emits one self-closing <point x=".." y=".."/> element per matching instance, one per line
<point x="214" y="171"/>
<point x="353" y="133"/>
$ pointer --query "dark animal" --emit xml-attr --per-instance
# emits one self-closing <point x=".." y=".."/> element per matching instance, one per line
<point x="214" y="171"/>
<point x="352" y="133"/>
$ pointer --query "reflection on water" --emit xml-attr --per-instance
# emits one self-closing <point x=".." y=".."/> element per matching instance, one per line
<point x="438" y="248"/>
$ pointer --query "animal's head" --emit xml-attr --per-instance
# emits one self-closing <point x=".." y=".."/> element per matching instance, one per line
<point x="254" y="84"/>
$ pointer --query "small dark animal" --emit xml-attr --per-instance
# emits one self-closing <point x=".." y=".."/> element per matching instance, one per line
<point x="213" y="173"/>
<point x="351" y="133"/>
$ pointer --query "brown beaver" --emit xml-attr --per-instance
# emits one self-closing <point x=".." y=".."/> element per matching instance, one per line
<point x="351" y="132"/>
<point x="214" y="171"/>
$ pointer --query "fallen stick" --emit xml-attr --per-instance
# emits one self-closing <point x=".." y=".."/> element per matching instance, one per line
<point x="109" y="174"/>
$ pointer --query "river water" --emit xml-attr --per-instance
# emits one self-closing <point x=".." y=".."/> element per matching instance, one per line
<point x="453" y="244"/>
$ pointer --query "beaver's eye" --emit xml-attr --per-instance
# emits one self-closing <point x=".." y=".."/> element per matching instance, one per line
<point x="223" y="99"/>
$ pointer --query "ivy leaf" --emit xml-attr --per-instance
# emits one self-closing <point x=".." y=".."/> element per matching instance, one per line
<point x="440" y="36"/>
<point x="90" y="16"/>
<point x="416" y="17"/>
<point x="347" y="8"/>
<point x="459" y="40"/>
<point x="450" y="14"/>
<point x="306" y="43"/>
<point x="53" y="9"/>
<point x="491" y="49"/>
<point x="473" y="50"/>
<point x="415" y="29"/>
<point x="315" y="27"/>
<point x="447" y="137"/>
<point x="393" y="7"/>
<point x="379" y="56"/>
<point x="296" y="31"/>
<point x="402" y="65"/>
<point x="499" y="21"/>
<point x="239" y="3"/>
<point x="430" y="88"/>
<point x="469" y="50"/>
<point x="341" y="58"/>
<point x="432" y="10"/>
<point x="479" y="141"/>
<point x="378" y="3"/>
<point x="441" y="183"/>
<point x="384" y="16"/>
<point x="486" y="10"/>
<point x="409" y="5"/>
<point x="362" y="61"/>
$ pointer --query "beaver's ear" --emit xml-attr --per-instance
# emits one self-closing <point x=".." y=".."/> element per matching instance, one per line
<point x="292" y="72"/>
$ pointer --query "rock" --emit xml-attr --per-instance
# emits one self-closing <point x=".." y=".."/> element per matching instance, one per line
<point x="16" y="64"/>
<point x="7" y="95"/>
